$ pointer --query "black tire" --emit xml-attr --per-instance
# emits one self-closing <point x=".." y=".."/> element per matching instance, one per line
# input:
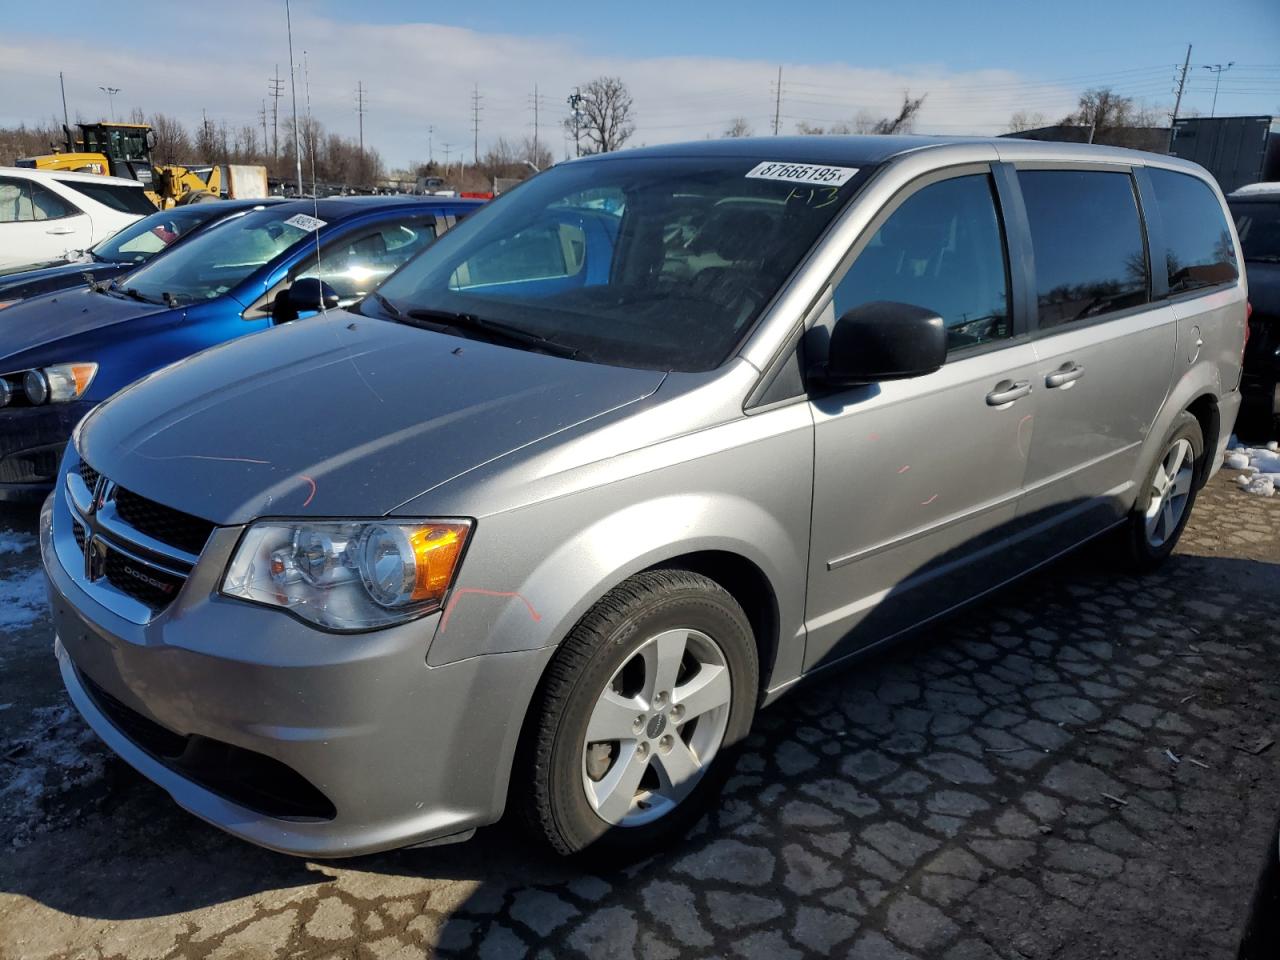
<point x="197" y="196"/>
<point x="547" y="785"/>
<point x="1140" y="554"/>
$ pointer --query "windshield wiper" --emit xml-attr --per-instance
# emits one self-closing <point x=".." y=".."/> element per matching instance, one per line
<point x="495" y="329"/>
<point x="387" y="305"/>
<point x="133" y="294"/>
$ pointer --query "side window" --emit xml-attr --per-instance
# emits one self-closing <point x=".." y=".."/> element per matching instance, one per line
<point x="15" y="201"/>
<point x="942" y="249"/>
<point x="48" y="205"/>
<point x="356" y="264"/>
<point x="543" y="251"/>
<point x="1198" y="247"/>
<point x="1087" y="238"/>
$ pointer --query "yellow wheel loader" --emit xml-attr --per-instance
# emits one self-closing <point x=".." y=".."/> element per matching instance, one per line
<point x="124" y="150"/>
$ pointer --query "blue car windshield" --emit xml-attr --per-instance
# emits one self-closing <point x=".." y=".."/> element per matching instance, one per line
<point x="214" y="261"/>
<point x="659" y="263"/>
<point x="143" y="239"/>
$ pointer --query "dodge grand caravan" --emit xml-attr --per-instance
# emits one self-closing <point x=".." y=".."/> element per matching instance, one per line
<point x="622" y="458"/>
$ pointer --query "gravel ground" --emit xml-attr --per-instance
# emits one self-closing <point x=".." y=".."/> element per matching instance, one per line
<point x="1075" y="770"/>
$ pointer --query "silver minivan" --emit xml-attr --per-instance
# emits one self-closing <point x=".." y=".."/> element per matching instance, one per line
<point x="621" y="459"/>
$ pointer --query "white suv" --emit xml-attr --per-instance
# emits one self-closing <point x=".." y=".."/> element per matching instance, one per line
<point x="46" y="213"/>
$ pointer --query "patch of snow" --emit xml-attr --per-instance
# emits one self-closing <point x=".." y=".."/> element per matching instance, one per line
<point x="55" y="754"/>
<point x="11" y="542"/>
<point x="1260" y="466"/>
<point x="22" y="599"/>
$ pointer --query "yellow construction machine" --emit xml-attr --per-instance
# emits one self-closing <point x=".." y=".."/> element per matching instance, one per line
<point x="124" y="150"/>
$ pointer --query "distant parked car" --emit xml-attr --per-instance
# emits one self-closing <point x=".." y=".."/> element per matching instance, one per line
<point x="46" y="213"/>
<point x="119" y="253"/>
<point x="1256" y="209"/>
<point x="64" y="352"/>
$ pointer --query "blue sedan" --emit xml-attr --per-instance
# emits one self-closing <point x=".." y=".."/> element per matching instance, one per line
<point x="63" y="353"/>
<point x="121" y="252"/>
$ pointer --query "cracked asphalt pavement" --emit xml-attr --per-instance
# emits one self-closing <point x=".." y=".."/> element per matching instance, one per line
<point x="1076" y="769"/>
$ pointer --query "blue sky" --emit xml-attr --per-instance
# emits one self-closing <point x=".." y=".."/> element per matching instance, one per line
<point x="692" y="67"/>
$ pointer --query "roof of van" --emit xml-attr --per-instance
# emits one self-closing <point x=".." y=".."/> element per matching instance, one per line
<point x="1267" y="190"/>
<point x="43" y="174"/>
<point x="872" y="149"/>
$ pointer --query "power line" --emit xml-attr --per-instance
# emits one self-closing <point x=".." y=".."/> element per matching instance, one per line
<point x="777" y="103"/>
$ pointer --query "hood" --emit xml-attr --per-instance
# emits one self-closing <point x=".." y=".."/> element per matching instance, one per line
<point x="1264" y="286"/>
<point x="46" y="319"/>
<point x="341" y="416"/>
<point x="59" y="276"/>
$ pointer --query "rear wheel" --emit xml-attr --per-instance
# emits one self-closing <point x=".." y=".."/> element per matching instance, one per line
<point x="636" y="719"/>
<point x="1167" y="496"/>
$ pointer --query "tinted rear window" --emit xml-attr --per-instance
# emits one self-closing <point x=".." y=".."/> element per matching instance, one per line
<point x="1087" y="237"/>
<point x="114" y="195"/>
<point x="1198" y="248"/>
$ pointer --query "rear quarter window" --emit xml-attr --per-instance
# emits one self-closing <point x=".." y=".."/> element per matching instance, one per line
<point x="1198" y="250"/>
<point x="117" y="196"/>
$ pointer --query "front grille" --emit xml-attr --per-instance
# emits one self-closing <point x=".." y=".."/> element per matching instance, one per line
<point x="145" y="583"/>
<point x="77" y="531"/>
<point x="253" y="780"/>
<point x="162" y="523"/>
<point x="88" y="475"/>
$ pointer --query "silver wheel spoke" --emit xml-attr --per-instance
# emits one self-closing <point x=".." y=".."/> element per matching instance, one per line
<point x="1182" y="482"/>
<point x="616" y="793"/>
<point x="678" y="770"/>
<point x="707" y="689"/>
<point x="1167" y="521"/>
<point x="662" y="657"/>
<point x="1160" y="482"/>
<point x="613" y="717"/>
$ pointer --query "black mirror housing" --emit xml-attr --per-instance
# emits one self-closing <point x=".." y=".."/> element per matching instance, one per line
<point x="883" y="340"/>
<point x="308" y="295"/>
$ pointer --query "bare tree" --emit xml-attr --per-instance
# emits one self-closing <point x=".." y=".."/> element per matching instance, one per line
<point x="606" y="120"/>
<point x="1103" y="109"/>
<point x="1022" y="120"/>
<point x="806" y="129"/>
<point x="905" y="121"/>
<point x="173" y="145"/>
<point x="739" y="127"/>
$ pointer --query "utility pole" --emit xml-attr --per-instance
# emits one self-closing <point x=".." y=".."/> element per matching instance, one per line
<point x="111" y="104"/>
<point x="66" y="120"/>
<point x="1218" y="69"/>
<point x="1182" y="83"/>
<point x="360" y="110"/>
<point x="535" y="123"/>
<point x="293" y="90"/>
<point x="431" y="156"/>
<point x="575" y="104"/>
<point x="264" y="126"/>
<point x="777" y="105"/>
<point x="447" y="148"/>
<point x="475" y="124"/>
<point x="275" y="89"/>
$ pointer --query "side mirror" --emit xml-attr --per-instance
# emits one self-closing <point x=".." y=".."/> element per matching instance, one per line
<point x="308" y="295"/>
<point x="883" y="341"/>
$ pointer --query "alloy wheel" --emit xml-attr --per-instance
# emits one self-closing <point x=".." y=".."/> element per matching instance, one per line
<point x="1170" y="490"/>
<point x="656" y="727"/>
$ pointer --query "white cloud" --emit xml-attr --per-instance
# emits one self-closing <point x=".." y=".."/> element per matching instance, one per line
<point x="423" y="74"/>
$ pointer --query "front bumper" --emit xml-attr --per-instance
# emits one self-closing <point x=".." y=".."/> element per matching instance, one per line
<point x="31" y="443"/>
<point x="402" y="753"/>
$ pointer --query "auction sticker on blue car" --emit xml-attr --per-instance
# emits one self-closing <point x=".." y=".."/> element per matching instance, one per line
<point x="303" y="222"/>
<point x="809" y="173"/>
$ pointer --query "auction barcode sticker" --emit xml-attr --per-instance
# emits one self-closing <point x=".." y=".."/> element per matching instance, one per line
<point x="303" y="222"/>
<point x="809" y="173"/>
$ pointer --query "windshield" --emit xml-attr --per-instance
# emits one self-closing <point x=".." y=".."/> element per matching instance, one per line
<point x="660" y="263"/>
<point x="144" y="238"/>
<point x="1258" y="224"/>
<point x="214" y="261"/>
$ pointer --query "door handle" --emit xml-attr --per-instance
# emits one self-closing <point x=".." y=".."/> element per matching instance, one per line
<point x="1067" y="373"/>
<point x="59" y="231"/>
<point x="1007" y="391"/>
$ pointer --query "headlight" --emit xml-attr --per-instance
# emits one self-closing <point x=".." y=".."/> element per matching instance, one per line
<point x="60" y="383"/>
<point x="348" y="575"/>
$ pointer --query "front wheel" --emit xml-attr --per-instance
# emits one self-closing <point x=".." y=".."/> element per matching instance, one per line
<point x="1164" y="503"/>
<point x="635" y="721"/>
